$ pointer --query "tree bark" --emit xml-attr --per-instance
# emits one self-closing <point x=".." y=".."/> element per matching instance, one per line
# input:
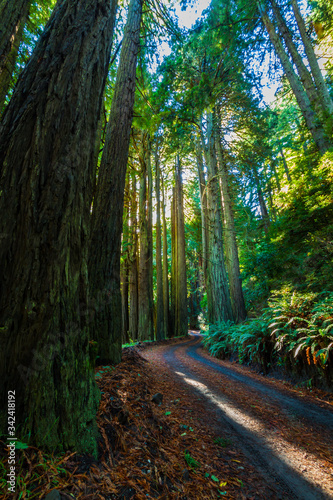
<point x="47" y="151"/>
<point x="232" y="260"/>
<point x="302" y="70"/>
<point x="218" y="295"/>
<point x="146" y="318"/>
<point x="165" y="268"/>
<point x="133" y="265"/>
<point x="150" y="233"/>
<point x="318" y="134"/>
<point x="179" y="283"/>
<point x="104" y="265"/>
<point x="160" y="320"/>
<point x="322" y="89"/>
<point x="13" y="17"/>
<point x="124" y="267"/>
<point x="203" y="201"/>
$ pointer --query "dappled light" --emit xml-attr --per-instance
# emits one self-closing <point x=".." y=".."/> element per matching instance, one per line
<point x="166" y="169"/>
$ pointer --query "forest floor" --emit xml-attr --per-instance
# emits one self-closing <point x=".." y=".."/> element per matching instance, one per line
<point x="221" y="431"/>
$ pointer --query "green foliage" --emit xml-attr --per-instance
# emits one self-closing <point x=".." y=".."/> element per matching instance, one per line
<point x="21" y="446"/>
<point x="191" y="462"/>
<point x="295" y="331"/>
<point x="249" y="341"/>
<point x="298" y="249"/>
<point x="303" y="325"/>
<point x="223" y="442"/>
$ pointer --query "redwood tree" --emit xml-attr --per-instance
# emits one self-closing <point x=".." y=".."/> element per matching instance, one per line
<point x="47" y="151"/>
<point x="107" y="219"/>
<point x="178" y="275"/>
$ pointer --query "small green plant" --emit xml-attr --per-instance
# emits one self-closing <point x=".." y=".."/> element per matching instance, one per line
<point x="191" y="462"/>
<point x="223" y="442"/>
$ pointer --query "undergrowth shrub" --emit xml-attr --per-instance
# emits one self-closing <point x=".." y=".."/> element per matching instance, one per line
<point x="295" y="331"/>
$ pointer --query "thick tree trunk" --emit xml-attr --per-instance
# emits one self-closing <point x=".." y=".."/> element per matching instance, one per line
<point x="133" y="265"/>
<point x="316" y="130"/>
<point x="218" y="295"/>
<point x="146" y="318"/>
<point x="47" y="151"/>
<point x="322" y="89"/>
<point x="13" y="17"/>
<point x="179" y="283"/>
<point x="231" y="248"/>
<point x="160" y="320"/>
<point x="104" y="256"/>
<point x="165" y="269"/>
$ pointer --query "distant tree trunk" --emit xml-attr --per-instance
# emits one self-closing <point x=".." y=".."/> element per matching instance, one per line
<point x="125" y="267"/>
<point x="150" y="232"/>
<point x="173" y="282"/>
<point x="165" y="268"/>
<point x="146" y="318"/>
<point x="47" y="151"/>
<point x="276" y="175"/>
<point x="107" y="217"/>
<point x="231" y="248"/>
<point x="179" y="283"/>
<point x="261" y="199"/>
<point x="124" y="302"/>
<point x="133" y="264"/>
<point x="13" y="17"/>
<point x="316" y="130"/>
<point x="160" y="320"/>
<point x="322" y="89"/>
<point x="203" y="201"/>
<point x="218" y="295"/>
<point x="285" y="164"/>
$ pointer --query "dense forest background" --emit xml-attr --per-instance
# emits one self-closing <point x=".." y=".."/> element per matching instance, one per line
<point x="144" y="195"/>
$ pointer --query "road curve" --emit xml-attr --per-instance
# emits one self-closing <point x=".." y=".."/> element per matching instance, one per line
<point x="283" y="464"/>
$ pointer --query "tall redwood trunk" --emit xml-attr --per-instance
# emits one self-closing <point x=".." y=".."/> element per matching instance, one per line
<point x="203" y="201"/>
<point x="145" y="305"/>
<point x="124" y="267"/>
<point x="133" y="263"/>
<point x="47" y="151"/>
<point x="179" y="283"/>
<point x="160" y="320"/>
<point x="104" y="256"/>
<point x="165" y="268"/>
<point x="231" y="247"/>
<point x="218" y="294"/>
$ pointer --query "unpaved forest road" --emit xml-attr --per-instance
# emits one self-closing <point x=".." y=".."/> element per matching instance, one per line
<point x="286" y="437"/>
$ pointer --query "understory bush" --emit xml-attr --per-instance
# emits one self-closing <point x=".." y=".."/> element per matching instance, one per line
<point x="295" y="332"/>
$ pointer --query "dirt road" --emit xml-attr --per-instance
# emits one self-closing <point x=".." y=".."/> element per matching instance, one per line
<point x="286" y="436"/>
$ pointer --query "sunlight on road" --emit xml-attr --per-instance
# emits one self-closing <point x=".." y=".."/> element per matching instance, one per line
<point x="250" y="428"/>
